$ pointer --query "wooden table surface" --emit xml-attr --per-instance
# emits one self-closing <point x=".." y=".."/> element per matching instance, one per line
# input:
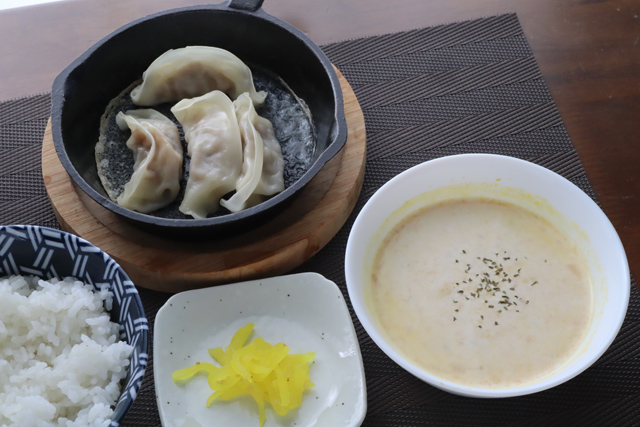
<point x="588" y="52"/>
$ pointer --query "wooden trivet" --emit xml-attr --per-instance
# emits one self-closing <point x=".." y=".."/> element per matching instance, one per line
<point x="274" y="248"/>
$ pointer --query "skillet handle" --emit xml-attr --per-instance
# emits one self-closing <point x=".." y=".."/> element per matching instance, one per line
<point x="248" y="5"/>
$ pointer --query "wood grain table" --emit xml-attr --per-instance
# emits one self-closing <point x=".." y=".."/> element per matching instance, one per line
<point x="588" y="52"/>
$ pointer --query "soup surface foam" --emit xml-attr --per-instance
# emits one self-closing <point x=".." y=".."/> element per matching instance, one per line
<point x="481" y="292"/>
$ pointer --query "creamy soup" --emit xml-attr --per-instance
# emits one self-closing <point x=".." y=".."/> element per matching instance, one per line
<point x="481" y="293"/>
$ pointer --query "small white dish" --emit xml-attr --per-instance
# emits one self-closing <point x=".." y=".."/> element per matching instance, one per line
<point x="305" y="311"/>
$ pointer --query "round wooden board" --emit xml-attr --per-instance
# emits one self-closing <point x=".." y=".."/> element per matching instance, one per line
<point x="274" y="248"/>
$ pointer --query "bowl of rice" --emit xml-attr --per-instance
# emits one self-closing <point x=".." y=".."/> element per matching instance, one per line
<point x="73" y="333"/>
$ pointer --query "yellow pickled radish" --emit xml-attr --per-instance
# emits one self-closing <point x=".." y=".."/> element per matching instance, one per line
<point x="219" y="355"/>
<point x="240" y="338"/>
<point x="183" y="376"/>
<point x="267" y="373"/>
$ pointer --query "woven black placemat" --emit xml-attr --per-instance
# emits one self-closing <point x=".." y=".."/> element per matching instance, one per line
<point x="466" y="87"/>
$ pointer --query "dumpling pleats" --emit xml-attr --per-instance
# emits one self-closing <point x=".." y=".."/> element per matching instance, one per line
<point x="262" y="165"/>
<point x="157" y="152"/>
<point x="194" y="71"/>
<point x="215" y="147"/>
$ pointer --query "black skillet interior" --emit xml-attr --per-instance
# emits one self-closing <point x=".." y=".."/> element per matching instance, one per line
<point x="83" y="90"/>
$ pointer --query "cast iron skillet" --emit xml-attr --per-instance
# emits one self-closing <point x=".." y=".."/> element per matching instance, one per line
<point x="82" y="91"/>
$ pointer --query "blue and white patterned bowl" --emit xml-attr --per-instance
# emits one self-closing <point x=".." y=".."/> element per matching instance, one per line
<point x="48" y="253"/>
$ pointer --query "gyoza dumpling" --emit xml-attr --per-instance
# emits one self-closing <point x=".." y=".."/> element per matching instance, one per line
<point x="262" y="164"/>
<point x="214" y="144"/>
<point x="157" y="151"/>
<point x="194" y="71"/>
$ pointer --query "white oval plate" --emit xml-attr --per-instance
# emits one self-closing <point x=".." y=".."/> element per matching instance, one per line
<point x="305" y="311"/>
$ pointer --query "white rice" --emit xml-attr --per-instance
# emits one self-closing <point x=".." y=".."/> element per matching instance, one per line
<point x="60" y="358"/>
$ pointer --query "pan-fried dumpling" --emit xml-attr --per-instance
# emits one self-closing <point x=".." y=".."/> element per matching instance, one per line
<point x="214" y="144"/>
<point x="194" y="71"/>
<point x="262" y="164"/>
<point x="157" y="151"/>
